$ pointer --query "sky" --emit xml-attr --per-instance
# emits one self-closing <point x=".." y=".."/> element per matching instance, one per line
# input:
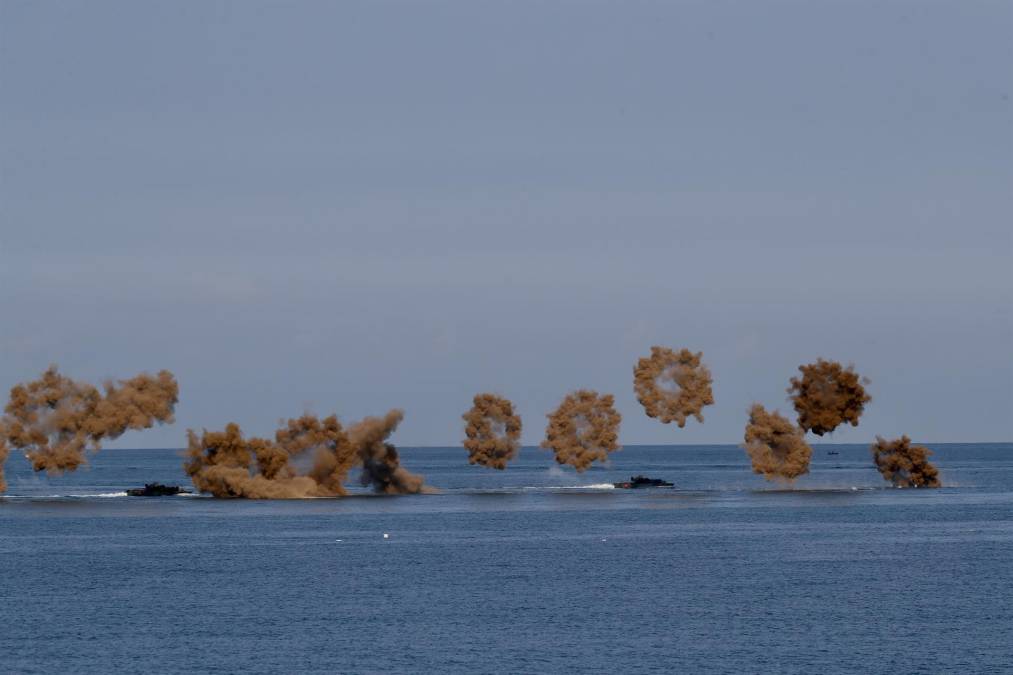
<point x="348" y="207"/>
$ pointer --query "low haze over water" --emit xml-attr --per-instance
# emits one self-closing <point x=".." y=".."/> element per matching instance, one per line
<point x="531" y="569"/>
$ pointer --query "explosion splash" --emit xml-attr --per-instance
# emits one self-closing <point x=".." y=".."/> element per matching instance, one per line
<point x="222" y="463"/>
<point x="381" y="467"/>
<point x="903" y="464"/>
<point x="584" y="428"/>
<point x="776" y="446"/>
<point x="828" y="395"/>
<point x="226" y="464"/>
<point x="673" y="385"/>
<point x="54" y="419"/>
<point x="493" y="431"/>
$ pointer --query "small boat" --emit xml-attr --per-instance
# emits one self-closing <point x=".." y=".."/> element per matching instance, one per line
<point x="637" y="482"/>
<point x="832" y="452"/>
<point x="157" y="490"/>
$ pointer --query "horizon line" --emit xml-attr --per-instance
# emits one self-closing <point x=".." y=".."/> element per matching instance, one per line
<point x="628" y="445"/>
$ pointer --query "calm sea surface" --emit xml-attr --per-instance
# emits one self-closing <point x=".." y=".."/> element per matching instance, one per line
<point x="533" y="569"/>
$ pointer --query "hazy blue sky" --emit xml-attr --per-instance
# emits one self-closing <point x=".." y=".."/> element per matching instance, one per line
<point x="351" y="206"/>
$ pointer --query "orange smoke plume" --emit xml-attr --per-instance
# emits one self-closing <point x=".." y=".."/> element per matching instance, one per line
<point x="673" y="385"/>
<point x="776" y="447"/>
<point x="584" y="428"/>
<point x="828" y="395"/>
<point x="903" y="464"/>
<point x="493" y="431"/>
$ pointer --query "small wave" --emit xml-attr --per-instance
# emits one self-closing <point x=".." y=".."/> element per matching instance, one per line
<point x="812" y="490"/>
<point x="91" y="495"/>
<point x="520" y="489"/>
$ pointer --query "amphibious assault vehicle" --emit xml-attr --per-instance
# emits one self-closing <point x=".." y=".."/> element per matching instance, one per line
<point x="636" y="482"/>
<point x="157" y="490"/>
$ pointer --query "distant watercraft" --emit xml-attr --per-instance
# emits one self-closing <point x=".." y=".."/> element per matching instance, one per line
<point x="832" y="452"/>
<point x="636" y="482"/>
<point x="157" y="490"/>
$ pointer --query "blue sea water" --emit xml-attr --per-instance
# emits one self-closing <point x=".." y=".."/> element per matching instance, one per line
<point x="532" y="569"/>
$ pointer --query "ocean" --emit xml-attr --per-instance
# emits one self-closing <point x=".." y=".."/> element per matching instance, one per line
<point x="535" y="569"/>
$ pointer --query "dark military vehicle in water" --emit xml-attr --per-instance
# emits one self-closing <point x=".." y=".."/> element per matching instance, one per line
<point x="157" y="490"/>
<point x="636" y="482"/>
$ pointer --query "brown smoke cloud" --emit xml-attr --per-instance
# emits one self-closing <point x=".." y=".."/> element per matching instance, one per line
<point x="903" y="464"/>
<point x="493" y="431"/>
<point x="673" y="385"/>
<point x="54" y="419"/>
<point x="584" y="428"/>
<point x="776" y="447"/>
<point x="226" y="464"/>
<point x="828" y="395"/>
<point x="381" y="467"/>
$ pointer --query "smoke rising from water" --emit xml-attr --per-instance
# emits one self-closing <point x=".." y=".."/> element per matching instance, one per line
<point x="584" y="428"/>
<point x="54" y="419"/>
<point x="673" y="385"/>
<point x="828" y="395"/>
<point x="381" y="467"/>
<point x="903" y="464"/>
<point x="226" y="464"/>
<point x="776" y="447"/>
<point x="493" y="431"/>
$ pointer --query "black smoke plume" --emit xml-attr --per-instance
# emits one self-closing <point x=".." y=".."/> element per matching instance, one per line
<point x="381" y="467"/>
